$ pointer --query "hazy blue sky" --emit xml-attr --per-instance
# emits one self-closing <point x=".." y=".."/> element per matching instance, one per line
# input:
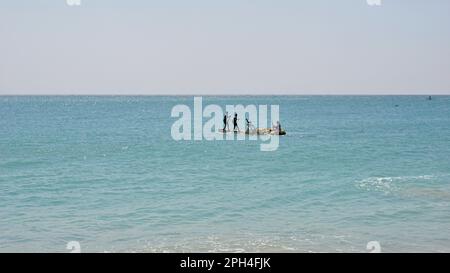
<point x="224" y="47"/>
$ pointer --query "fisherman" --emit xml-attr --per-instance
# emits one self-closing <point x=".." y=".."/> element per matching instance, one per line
<point x="235" y="119"/>
<point x="277" y="128"/>
<point x="247" y="129"/>
<point x="225" y="121"/>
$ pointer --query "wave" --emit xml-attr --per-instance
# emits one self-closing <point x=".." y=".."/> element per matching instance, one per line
<point x="388" y="184"/>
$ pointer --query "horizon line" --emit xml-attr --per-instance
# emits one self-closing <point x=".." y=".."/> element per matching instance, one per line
<point x="219" y="95"/>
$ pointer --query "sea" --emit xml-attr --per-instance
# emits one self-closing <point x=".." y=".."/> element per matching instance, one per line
<point x="106" y="173"/>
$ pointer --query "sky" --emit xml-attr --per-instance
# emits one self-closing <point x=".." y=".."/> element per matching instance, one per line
<point x="221" y="47"/>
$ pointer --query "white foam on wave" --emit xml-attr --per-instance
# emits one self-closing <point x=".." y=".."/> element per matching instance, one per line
<point x="388" y="184"/>
<point x="305" y="242"/>
<point x="217" y="244"/>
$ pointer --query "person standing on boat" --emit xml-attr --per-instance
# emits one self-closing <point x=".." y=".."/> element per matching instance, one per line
<point x="277" y="128"/>
<point x="247" y="129"/>
<point x="225" y="121"/>
<point x="235" y="119"/>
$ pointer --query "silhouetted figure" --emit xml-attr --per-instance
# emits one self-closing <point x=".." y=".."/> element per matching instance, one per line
<point x="235" y="125"/>
<point x="225" y="117"/>
<point x="247" y="123"/>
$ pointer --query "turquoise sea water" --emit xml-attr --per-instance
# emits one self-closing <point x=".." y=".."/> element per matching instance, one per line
<point x="105" y="171"/>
